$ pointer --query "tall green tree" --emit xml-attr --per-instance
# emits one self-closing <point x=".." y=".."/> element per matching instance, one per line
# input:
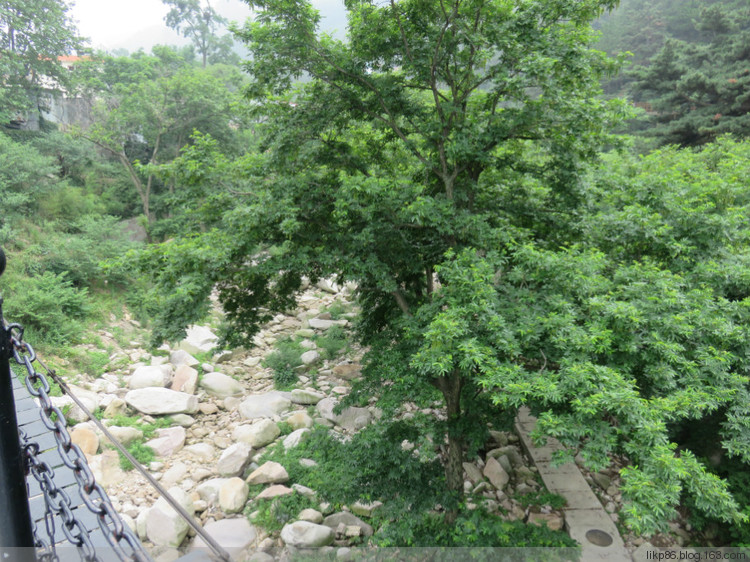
<point x="33" y="34"/>
<point x="199" y="22"/>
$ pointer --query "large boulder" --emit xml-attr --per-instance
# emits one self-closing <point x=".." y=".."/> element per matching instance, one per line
<point x="166" y="527"/>
<point x="148" y="376"/>
<point x="169" y="441"/>
<point x="268" y="473"/>
<point x="234" y="535"/>
<point x="265" y="405"/>
<point x="258" y="434"/>
<point x="220" y="385"/>
<point x="182" y="357"/>
<point x="161" y="401"/>
<point x="304" y="534"/>
<point x="234" y="459"/>
<point x="348" y="519"/>
<point x="199" y="339"/>
<point x="353" y="419"/>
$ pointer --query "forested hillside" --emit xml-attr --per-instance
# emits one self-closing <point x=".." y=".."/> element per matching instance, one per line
<point x="525" y="220"/>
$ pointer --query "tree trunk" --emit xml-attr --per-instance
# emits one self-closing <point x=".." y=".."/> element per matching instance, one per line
<point x="451" y="387"/>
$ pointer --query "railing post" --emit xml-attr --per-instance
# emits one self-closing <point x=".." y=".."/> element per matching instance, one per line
<point x="15" y="518"/>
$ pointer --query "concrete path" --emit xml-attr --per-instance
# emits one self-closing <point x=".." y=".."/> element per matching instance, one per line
<point x="585" y="519"/>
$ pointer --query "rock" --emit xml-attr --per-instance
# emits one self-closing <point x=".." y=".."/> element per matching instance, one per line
<point x="299" y="420"/>
<point x="265" y="405"/>
<point x="234" y="535"/>
<point x="365" y="509"/>
<point x="353" y="419"/>
<point x="348" y="371"/>
<point x="209" y="490"/>
<point x="495" y="473"/>
<point x="251" y="362"/>
<point x="309" y="357"/>
<point x="140" y="524"/>
<point x="552" y="520"/>
<point x="164" y="526"/>
<point x="304" y="534"/>
<point x="169" y="441"/>
<point x="86" y="439"/>
<point x="499" y="438"/>
<point x="147" y="377"/>
<point x="311" y="515"/>
<point x="345" y="518"/>
<point x="269" y="473"/>
<point x="159" y="401"/>
<point x="106" y="468"/>
<point x="202" y="451"/>
<point x="258" y="434"/>
<point x="307" y="463"/>
<point x="234" y="459"/>
<point x="207" y="408"/>
<point x="274" y="492"/>
<point x="174" y="475"/>
<point x="183" y="420"/>
<point x="118" y="407"/>
<point x="199" y="339"/>
<point x="220" y="385"/>
<point x="309" y="493"/>
<point x="295" y="438"/>
<point x="185" y="379"/>
<point x="514" y="456"/>
<point x="320" y="324"/>
<point x="182" y="357"/>
<point x="325" y="408"/>
<point x="602" y="480"/>
<point x="125" y="435"/>
<point x="474" y="474"/>
<point x="506" y="464"/>
<point x="233" y="495"/>
<point x="306" y="396"/>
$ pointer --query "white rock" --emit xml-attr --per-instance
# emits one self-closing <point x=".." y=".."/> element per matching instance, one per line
<point x="159" y="401"/>
<point x="234" y="535"/>
<point x="319" y="324"/>
<point x="306" y="396"/>
<point x="164" y="526"/>
<point x="325" y="408"/>
<point x="185" y="379"/>
<point x="234" y="459"/>
<point x="233" y="495"/>
<point x="182" y="357"/>
<point x="220" y="385"/>
<point x="169" y="441"/>
<point x="303" y="534"/>
<point x="202" y="451"/>
<point x="269" y="473"/>
<point x="299" y="420"/>
<point x="125" y="435"/>
<point x="174" y="475"/>
<point x="295" y="438"/>
<point x="199" y="339"/>
<point x="147" y="377"/>
<point x="265" y="405"/>
<point x="311" y="515"/>
<point x="353" y="419"/>
<point x="208" y="491"/>
<point x="310" y="357"/>
<point x="258" y="434"/>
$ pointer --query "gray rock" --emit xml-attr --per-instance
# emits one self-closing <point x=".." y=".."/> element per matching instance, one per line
<point x="234" y="535"/>
<point x="265" y="405"/>
<point x="161" y="401"/>
<point x="234" y="459"/>
<point x="365" y="509"/>
<point x="309" y="357"/>
<point x="309" y="493"/>
<point x="199" y="339"/>
<point x="304" y="534"/>
<point x="320" y="324"/>
<point x="325" y="409"/>
<point x="220" y="385"/>
<point x="496" y="474"/>
<point x="183" y="420"/>
<point x="202" y="451"/>
<point x="209" y="490"/>
<point x="306" y="396"/>
<point x="353" y="419"/>
<point x="474" y="474"/>
<point x="347" y="519"/>
<point x="602" y="480"/>
<point x="311" y="515"/>
<point x="125" y="435"/>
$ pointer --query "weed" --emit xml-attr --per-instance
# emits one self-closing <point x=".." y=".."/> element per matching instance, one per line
<point x="333" y="342"/>
<point x="142" y="453"/>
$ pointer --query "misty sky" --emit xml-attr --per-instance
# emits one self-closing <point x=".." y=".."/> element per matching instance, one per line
<point x="134" y="24"/>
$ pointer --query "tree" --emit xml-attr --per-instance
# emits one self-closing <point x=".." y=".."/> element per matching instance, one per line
<point x="150" y="112"/>
<point x="199" y="23"/>
<point x="33" y="34"/>
<point x="437" y="158"/>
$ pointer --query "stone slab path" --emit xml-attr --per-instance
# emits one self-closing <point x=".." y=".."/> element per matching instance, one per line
<point x="585" y="519"/>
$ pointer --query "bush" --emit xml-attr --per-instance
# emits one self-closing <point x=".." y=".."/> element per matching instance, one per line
<point x="48" y="306"/>
<point x="283" y="362"/>
<point x="334" y="341"/>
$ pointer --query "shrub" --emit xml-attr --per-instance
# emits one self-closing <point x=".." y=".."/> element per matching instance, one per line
<point x="334" y="341"/>
<point x="283" y="362"/>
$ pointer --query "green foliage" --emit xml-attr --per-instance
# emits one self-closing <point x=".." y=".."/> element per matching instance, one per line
<point x="542" y="498"/>
<point x="274" y="513"/>
<point x="93" y="363"/>
<point x="284" y="362"/>
<point x="333" y="343"/>
<point x="142" y="453"/>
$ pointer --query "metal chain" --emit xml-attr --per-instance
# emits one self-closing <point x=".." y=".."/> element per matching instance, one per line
<point x="56" y="499"/>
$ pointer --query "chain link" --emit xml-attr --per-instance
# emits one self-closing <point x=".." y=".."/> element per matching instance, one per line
<point x="56" y="499"/>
